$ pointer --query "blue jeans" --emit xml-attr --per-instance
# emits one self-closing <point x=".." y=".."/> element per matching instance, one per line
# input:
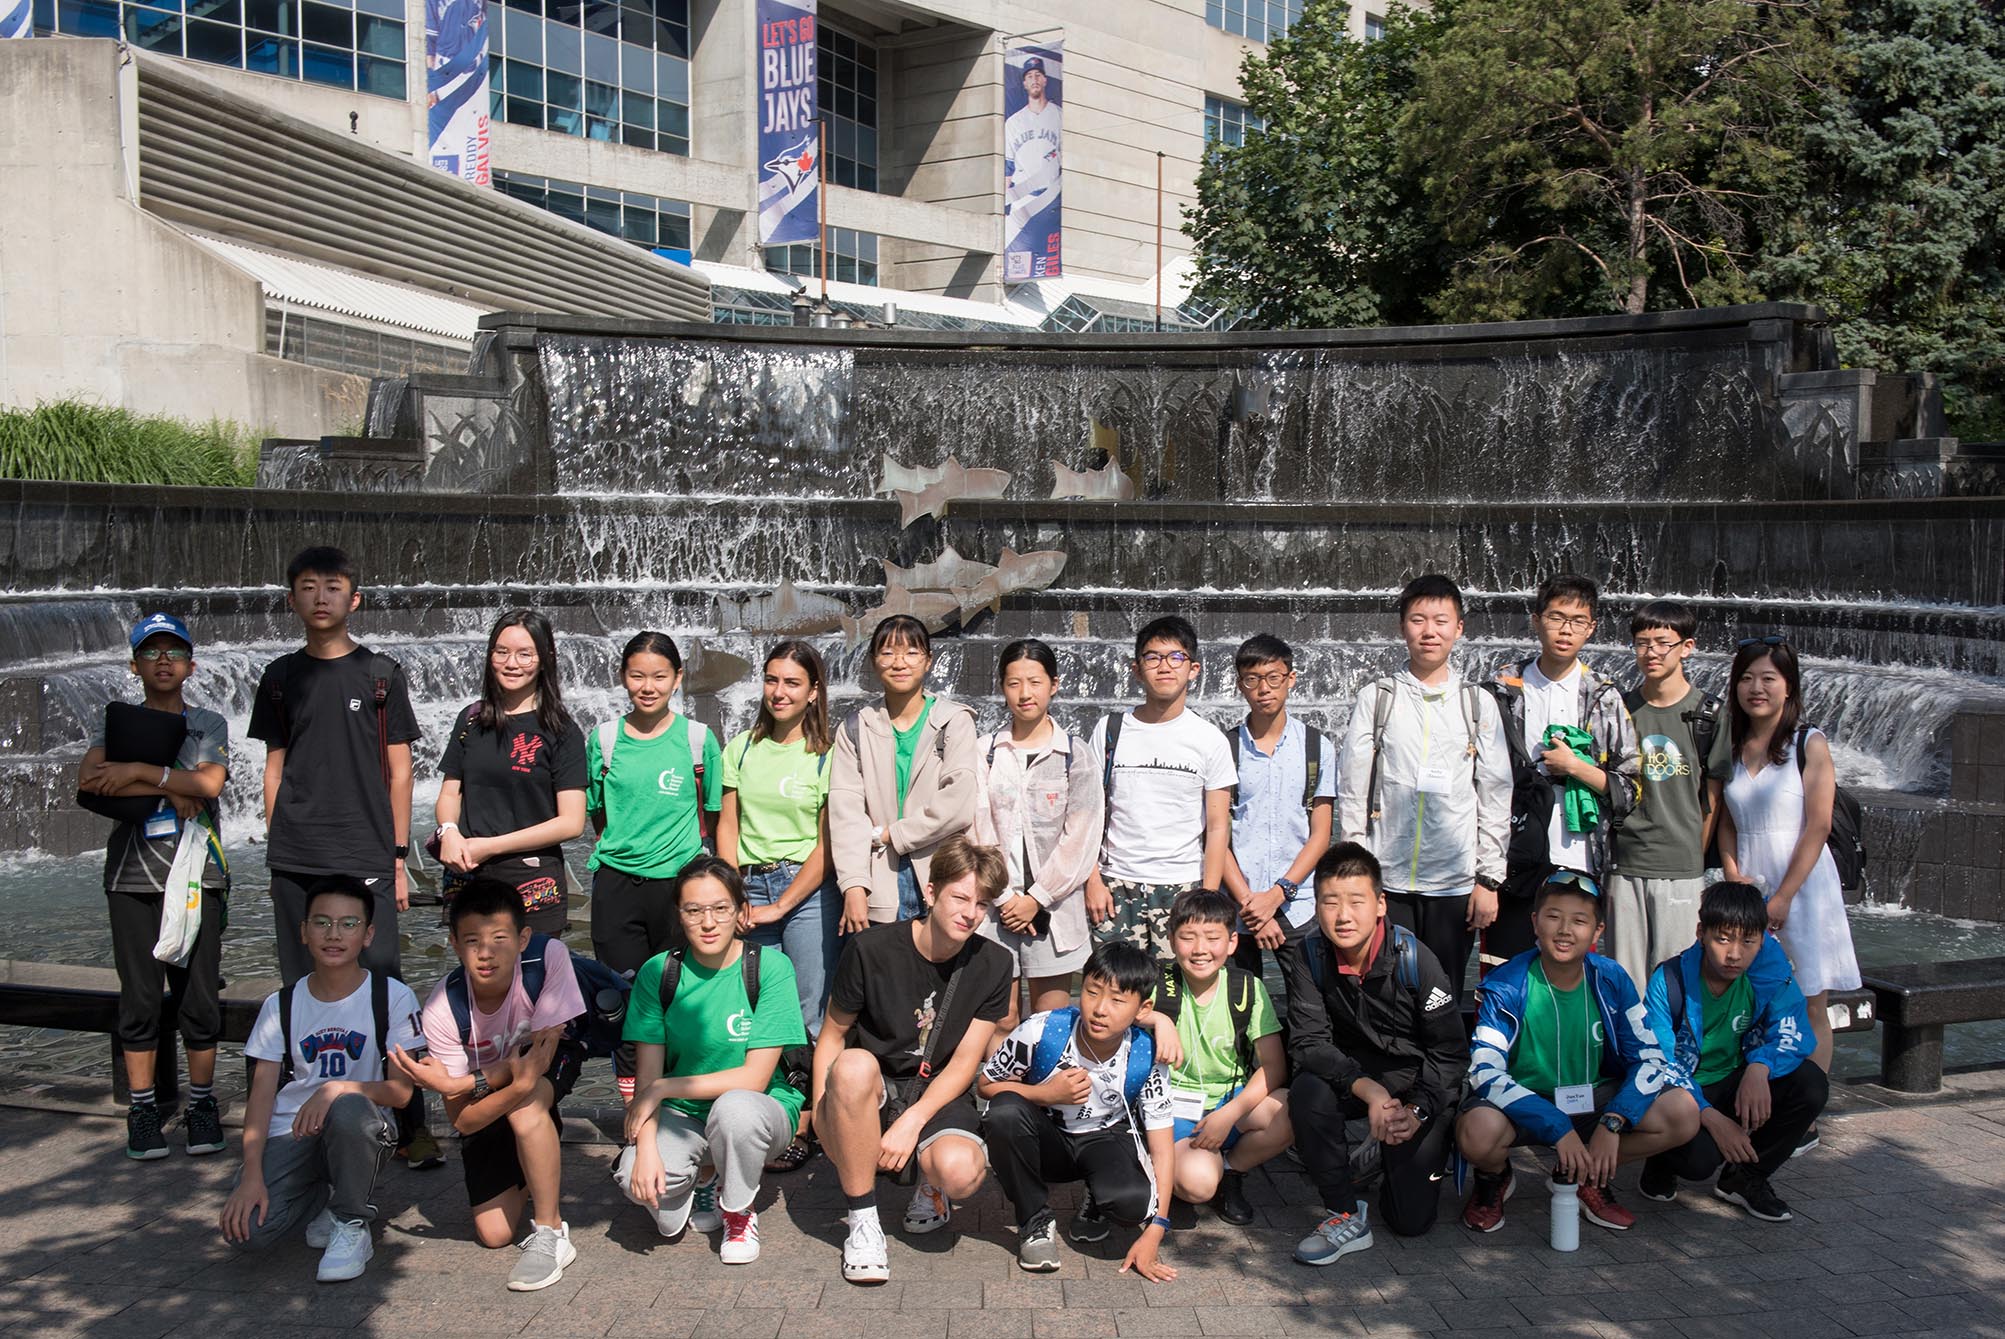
<point x="911" y="902"/>
<point x="806" y="935"/>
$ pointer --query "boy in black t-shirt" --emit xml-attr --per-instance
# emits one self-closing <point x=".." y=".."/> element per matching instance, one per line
<point x="915" y="1003"/>
<point x="337" y="726"/>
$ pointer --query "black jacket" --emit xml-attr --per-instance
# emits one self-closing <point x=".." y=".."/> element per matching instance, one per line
<point x="1411" y="1041"/>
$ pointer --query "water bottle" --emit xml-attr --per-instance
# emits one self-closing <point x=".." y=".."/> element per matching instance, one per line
<point x="1565" y="1216"/>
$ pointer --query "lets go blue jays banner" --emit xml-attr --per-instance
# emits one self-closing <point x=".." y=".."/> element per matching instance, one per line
<point x="456" y="88"/>
<point x="789" y="142"/>
<point x="17" y="18"/>
<point x="1033" y="79"/>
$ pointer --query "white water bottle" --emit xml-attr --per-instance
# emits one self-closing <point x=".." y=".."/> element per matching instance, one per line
<point x="1565" y="1216"/>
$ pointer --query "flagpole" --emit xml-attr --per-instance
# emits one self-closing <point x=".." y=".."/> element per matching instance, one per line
<point x="821" y="201"/>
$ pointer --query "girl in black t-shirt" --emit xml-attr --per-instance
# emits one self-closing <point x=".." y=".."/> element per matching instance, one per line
<point x="514" y="788"/>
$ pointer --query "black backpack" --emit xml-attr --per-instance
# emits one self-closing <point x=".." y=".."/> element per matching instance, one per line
<point x="1312" y="764"/>
<point x="379" y="1009"/>
<point x="603" y="990"/>
<point x="795" y="1062"/>
<point x="1848" y="827"/>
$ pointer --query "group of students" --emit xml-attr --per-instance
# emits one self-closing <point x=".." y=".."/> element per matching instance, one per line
<point x="814" y="933"/>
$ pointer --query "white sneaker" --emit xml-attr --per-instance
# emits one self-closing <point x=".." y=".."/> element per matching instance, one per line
<point x="865" y="1259"/>
<point x="704" y="1217"/>
<point x="320" y="1230"/>
<point x="347" y="1253"/>
<point x="929" y="1211"/>
<point x="741" y="1238"/>
<point x="544" y="1257"/>
<point x="671" y="1216"/>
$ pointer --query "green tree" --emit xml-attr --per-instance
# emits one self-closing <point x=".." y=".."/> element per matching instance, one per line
<point x="1597" y="155"/>
<point x="1900" y="232"/>
<point x="1313" y="222"/>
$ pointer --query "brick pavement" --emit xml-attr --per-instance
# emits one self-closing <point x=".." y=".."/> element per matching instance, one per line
<point x="1900" y="1230"/>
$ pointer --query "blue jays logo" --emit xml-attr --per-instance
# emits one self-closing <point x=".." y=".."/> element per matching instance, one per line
<point x="796" y="165"/>
<point x="334" y="1049"/>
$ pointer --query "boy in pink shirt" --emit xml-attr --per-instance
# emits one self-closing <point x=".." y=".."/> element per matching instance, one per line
<point x="499" y="1058"/>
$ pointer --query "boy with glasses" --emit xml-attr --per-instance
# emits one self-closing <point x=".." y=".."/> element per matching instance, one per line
<point x="1168" y="777"/>
<point x="1659" y="865"/>
<point x="1573" y="760"/>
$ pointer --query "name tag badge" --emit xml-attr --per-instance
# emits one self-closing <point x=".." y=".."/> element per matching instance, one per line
<point x="165" y="823"/>
<point x="1434" y="781"/>
<point x="1187" y="1104"/>
<point x="1574" y="1099"/>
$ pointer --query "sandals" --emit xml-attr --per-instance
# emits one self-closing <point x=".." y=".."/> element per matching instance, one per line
<point x="793" y="1157"/>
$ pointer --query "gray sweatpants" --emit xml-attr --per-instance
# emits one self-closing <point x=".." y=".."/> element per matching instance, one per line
<point x="1649" y="920"/>
<point x="743" y="1131"/>
<point x="337" y="1168"/>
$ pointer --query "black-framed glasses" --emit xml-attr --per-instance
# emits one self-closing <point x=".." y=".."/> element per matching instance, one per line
<point x="1772" y="639"/>
<point x="177" y="654"/>
<point x="1573" y="878"/>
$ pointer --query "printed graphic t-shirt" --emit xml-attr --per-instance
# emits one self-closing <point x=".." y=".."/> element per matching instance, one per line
<point x="650" y="801"/>
<point x="895" y="993"/>
<point x="505" y="1032"/>
<point x="781" y="790"/>
<point x="136" y="863"/>
<point x="1660" y="839"/>
<point x="1726" y="1018"/>
<point x="509" y="778"/>
<point x="1211" y="1055"/>
<point x="330" y="1041"/>
<point x="710" y="1023"/>
<point x="1105" y="1108"/>
<point x="1155" y="816"/>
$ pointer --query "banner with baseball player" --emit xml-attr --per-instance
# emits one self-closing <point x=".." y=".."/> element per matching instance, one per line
<point x="789" y="133"/>
<point x="1033" y="79"/>
<point x="456" y="116"/>
<point x="17" y="18"/>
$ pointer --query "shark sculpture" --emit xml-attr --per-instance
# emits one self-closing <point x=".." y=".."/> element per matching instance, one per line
<point x="900" y="478"/>
<point x="955" y="482"/>
<point x="788" y="611"/>
<point x="977" y="586"/>
<point x="1109" y="483"/>
<point x="933" y="608"/>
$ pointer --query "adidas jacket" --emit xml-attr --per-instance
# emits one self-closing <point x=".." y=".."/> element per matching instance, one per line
<point x="1778" y="1037"/>
<point x="1409" y="1040"/>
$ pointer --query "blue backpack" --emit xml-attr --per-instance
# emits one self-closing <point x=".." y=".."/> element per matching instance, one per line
<point x="1058" y="1029"/>
<point x="604" y="991"/>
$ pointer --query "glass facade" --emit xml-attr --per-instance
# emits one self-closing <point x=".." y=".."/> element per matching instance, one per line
<point x="1226" y="122"/>
<point x="847" y="87"/>
<point x="1261" y="20"/>
<point x="644" y="220"/>
<point x="356" y="44"/>
<point x="852" y="257"/>
<point x="340" y="347"/>
<point x="597" y="69"/>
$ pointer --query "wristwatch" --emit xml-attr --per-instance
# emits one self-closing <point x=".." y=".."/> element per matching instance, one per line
<point x="1613" y="1123"/>
<point x="402" y="850"/>
<point x="480" y="1088"/>
<point x="1288" y="886"/>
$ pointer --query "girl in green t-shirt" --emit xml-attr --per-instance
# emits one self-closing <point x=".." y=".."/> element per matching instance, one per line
<point x="711" y="1105"/>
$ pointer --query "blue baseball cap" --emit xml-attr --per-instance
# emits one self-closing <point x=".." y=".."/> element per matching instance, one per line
<point x="1034" y="63"/>
<point x="167" y="623"/>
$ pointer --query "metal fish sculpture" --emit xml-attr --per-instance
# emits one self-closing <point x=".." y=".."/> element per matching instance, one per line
<point x="933" y="608"/>
<point x="706" y="670"/>
<point x="788" y="611"/>
<point x="1017" y="571"/>
<point x="1109" y="483"/>
<point x="955" y="482"/>
<point x="950" y="571"/>
<point x="901" y="478"/>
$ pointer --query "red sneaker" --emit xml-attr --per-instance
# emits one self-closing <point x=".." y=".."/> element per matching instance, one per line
<point x="1598" y="1206"/>
<point x="1485" y="1210"/>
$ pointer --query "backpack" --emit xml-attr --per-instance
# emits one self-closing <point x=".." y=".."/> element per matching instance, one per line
<point x="604" y="992"/>
<point x="1239" y="986"/>
<point x="1312" y="770"/>
<point x="382" y="669"/>
<point x="1705" y="723"/>
<point x="1381" y="717"/>
<point x="379" y="1010"/>
<point x="1848" y="826"/>
<point x="1058" y="1028"/>
<point x="995" y="740"/>
<point x="609" y="738"/>
<point x="796" y="1063"/>
<point x="1405" y="958"/>
<point x="852" y="725"/>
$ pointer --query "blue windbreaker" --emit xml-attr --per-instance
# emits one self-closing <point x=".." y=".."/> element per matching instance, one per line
<point x="1779" y="1036"/>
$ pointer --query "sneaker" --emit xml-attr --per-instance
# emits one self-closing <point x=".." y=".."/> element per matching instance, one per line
<point x="1751" y="1191"/>
<point x="143" y="1140"/>
<point x="348" y="1251"/>
<point x="1809" y="1141"/>
<point x="704" y="1216"/>
<point x="1337" y="1236"/>
<point x="672" y="1216"/>
<point x="741" y="1238"/>
<point x="1088" y="1226"/>
<point x="423" y="1153"/>
<point x="204" y="1125"/>
<point x="1485" y="1210"/>
<point x="320" y="1229"/>
<point x="544" y="1255"/>
<point x="1660" y="1184"/>
<point x="1598" y="1206"/>
<point x="865" y="1258"/>
<point x="1231" y="1201"/>
<point x="1037" y="1247"/>
<point x="929" y="1211"/>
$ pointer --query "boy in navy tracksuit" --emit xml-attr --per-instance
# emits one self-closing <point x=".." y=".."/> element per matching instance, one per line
<point x="1728" y="1012"/>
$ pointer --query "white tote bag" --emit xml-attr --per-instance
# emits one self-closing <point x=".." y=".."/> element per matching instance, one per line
<point x="181" y="906"/>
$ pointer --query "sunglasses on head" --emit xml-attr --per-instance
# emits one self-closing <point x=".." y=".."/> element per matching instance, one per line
<point x="1772" y="639"/>
<point x="1572" y="878"/>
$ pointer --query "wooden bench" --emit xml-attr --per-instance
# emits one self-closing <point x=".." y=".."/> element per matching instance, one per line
<point x="85" y="999"/>
<point x="1916" y="1000"/>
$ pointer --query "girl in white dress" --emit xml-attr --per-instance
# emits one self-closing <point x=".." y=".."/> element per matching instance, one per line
<point x="1776" y="820"/>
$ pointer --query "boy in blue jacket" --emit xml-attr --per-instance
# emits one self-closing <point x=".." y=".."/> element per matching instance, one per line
<point x="1563" y="1055"/>
<point x="1728" y="1012"/>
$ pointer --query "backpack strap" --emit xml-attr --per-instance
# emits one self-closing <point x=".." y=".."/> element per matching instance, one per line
<point x="1169" y="992"/>
<point x="1239" y="986"/>
<point x="534" y="966"/>
<point x="1472" y="712"/>
<point x="1381" y="716"/>
<point x="1312" y="766"/>
<point x="609" y="738"/>
<point x="1802" y="738"/>
<point x="379" y="1009"/>
<point x="852" y="725"/>
<point x="381" y="668"/>
<point x="1058" y="1026"/>
<point x="461" y="1004"/>
<point x="1405" y="957"/>
<point x="699" y="734"/>
<point x="671" y="977"/>
<point x="285" y="1068"/>
<point x="1232" y="740"/>
<point x="1674" y="994"/>
<point x="1705" y="725"/>
<point x="745" y="751"/>
<point x="1141" y="1059"/>
<point x="748" y="968"/>
<point x="1110" y="740"/>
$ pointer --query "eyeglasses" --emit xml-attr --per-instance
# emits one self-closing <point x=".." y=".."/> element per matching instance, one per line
<point x="893" y="655"/>
<point x="1272" y="679"/>
<point x="708" y="915"/>
<point x="177" y="654"/>
<point x="327" y="925"/>
<point x="1570" y="622"/>
<point x="1155" y="658"/>
<point x="1573" y="878"/>
<point x="1772" y="639"/>
<point x="501" y="657"/>
<point x="1652" y="646"/>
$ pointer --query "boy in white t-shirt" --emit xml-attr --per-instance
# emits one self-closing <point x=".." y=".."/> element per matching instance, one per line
<point x="1168" y="777"/>
<point x="503" y="1073"/>
<point x="315" y="1145"/>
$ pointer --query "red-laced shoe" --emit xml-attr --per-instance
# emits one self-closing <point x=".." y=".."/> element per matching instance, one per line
<point x="1598" y="1206"/>
<point x="741" y="1238"/>
<point x="1485" y="1210"/>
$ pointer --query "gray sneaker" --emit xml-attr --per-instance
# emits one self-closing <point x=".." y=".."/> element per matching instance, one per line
<point x="1037" y="1250"/>
<point x="1336" y="1237"/>
<point x="1089" y="1225"/>
<point x="543" y="1258"/>
<point x="320" y="1229"/>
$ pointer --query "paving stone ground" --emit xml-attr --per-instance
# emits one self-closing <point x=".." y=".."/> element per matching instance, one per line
<point x="1899" y="1230"/>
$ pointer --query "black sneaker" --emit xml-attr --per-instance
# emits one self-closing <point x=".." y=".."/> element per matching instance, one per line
<point x="205" y="1126"/>
<point x="1231" y="1201"/>
<point x="1809" y="1141"/>
<point x="1660" y="1184"/>
<point x="1751" y="1191"/>
<point x="1087" y="1224"/>
<point x="143" y="1140"/>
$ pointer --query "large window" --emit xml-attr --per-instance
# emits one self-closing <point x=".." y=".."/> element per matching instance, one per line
<point x="356" y="44"/>
<point x="848" y="93"/>
<point x="1374" y="27"/>
<point x="852" y="257"/>
<point x="645" y="220"/>
<point x="1226" y="122"/>
<point x="596" y="69"/>
<point x="1261" y="20"/>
